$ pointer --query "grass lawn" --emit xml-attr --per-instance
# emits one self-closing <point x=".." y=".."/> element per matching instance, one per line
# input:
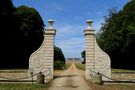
<point x="67" y="65"/>
<point x="122" y="70"/>
<point x="110" y="86"/>
<point x="113" y="87"/>
<point x="22" y="86"/>
<point x="80" y="66"/>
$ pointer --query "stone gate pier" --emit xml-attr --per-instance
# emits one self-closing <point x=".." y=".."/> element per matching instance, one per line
<point x="96" y="59"/>
<point x="42" y="59"/>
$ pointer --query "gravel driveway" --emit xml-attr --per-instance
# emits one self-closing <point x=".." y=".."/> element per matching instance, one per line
<point x="70" y="79"/>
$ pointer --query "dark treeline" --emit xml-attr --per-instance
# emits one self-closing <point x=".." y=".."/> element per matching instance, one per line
<point x="58" y="54"/>
<point x="21" y="34"/>
<point x="117" y="36"/>
<point x="59" y="59"/>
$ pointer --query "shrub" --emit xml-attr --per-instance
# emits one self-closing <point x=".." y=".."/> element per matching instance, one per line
<point x="59" y="65"/>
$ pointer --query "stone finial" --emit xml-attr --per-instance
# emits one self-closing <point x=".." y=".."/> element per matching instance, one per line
<point x="51" y="22"/>
<point x="89" y="22"/>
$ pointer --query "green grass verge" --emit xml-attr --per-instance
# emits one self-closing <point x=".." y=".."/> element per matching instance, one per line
<point x="14" y="71"/>
<point x="112" y="86"/>
<point x="122" y="70"/>
<point x="22" y="86"/>
<point x="67" y="65"/>
<point x="80" y="66"/>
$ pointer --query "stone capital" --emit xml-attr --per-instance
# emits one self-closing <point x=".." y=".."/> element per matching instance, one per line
<point x="89" y="32"/>
<point x="50" y="32"/>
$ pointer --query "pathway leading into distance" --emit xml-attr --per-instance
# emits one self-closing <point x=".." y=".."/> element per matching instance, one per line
<point x="70" y="79"/>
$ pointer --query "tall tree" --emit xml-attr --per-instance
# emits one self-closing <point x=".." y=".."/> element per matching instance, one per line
<point x="30" y="32"/>
<point x="7" y="36"/>
<point x="58" y="54"/>
<point x="83" y="56"/>
<point x="21" y="34"/>
<point x="117" y="36"/>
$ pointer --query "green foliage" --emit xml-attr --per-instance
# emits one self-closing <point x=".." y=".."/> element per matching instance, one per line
<point x="80" y="66"/>
<point x="6" y="8"/>
<point x="23" y="27"/>
<point x="7" y="27"/>
<point x="58" y="54"/>
<point x="117" y="36"/>
<point x="83" y="56"/>
<point x="59" y="59"/>
<point x="30" y="32"/>
<point x="67" y="65"/>
<point x="59" y="65"/>
<point x="31" y="25"/>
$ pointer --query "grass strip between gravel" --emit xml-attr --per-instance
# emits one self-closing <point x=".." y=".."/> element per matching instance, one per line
<point x="80" y="66"/>
<point x="67" y="65"/>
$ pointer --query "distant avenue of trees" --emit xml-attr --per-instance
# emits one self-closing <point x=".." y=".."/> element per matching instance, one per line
<point x="21" y="34"/>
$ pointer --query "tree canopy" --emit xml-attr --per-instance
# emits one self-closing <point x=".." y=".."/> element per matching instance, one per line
<point x="83" y="56"/>
<point x="58" y="54"/>
<point x="30" y="32"/>
<point x="21" y="34"/>
<point x="7" y="27"/>
<point x="117" y="36"/>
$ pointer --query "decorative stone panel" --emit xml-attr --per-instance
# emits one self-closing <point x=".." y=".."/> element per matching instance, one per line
<point x="96" y="59"/>
<point x="42" y="59"/>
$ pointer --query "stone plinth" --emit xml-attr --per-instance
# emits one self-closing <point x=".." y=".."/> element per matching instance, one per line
<point x="96" y="59"/>
<point x="42" y="59"/>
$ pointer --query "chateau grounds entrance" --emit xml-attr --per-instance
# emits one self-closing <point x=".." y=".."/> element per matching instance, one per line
<point x="96" y="60"/>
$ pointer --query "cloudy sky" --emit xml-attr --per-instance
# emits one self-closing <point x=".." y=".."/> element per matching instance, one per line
<point x="70" y="17"/>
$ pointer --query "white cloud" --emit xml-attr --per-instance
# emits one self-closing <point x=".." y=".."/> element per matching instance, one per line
<point x="72" y="47"/>
<point x="70" y="38"/>
<point x="68" y="31"/>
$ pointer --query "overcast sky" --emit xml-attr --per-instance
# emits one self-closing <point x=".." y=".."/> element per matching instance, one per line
<point x="70" y="17"/>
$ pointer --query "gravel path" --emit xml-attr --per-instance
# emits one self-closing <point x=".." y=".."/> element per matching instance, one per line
<point x="70" y="79"/>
